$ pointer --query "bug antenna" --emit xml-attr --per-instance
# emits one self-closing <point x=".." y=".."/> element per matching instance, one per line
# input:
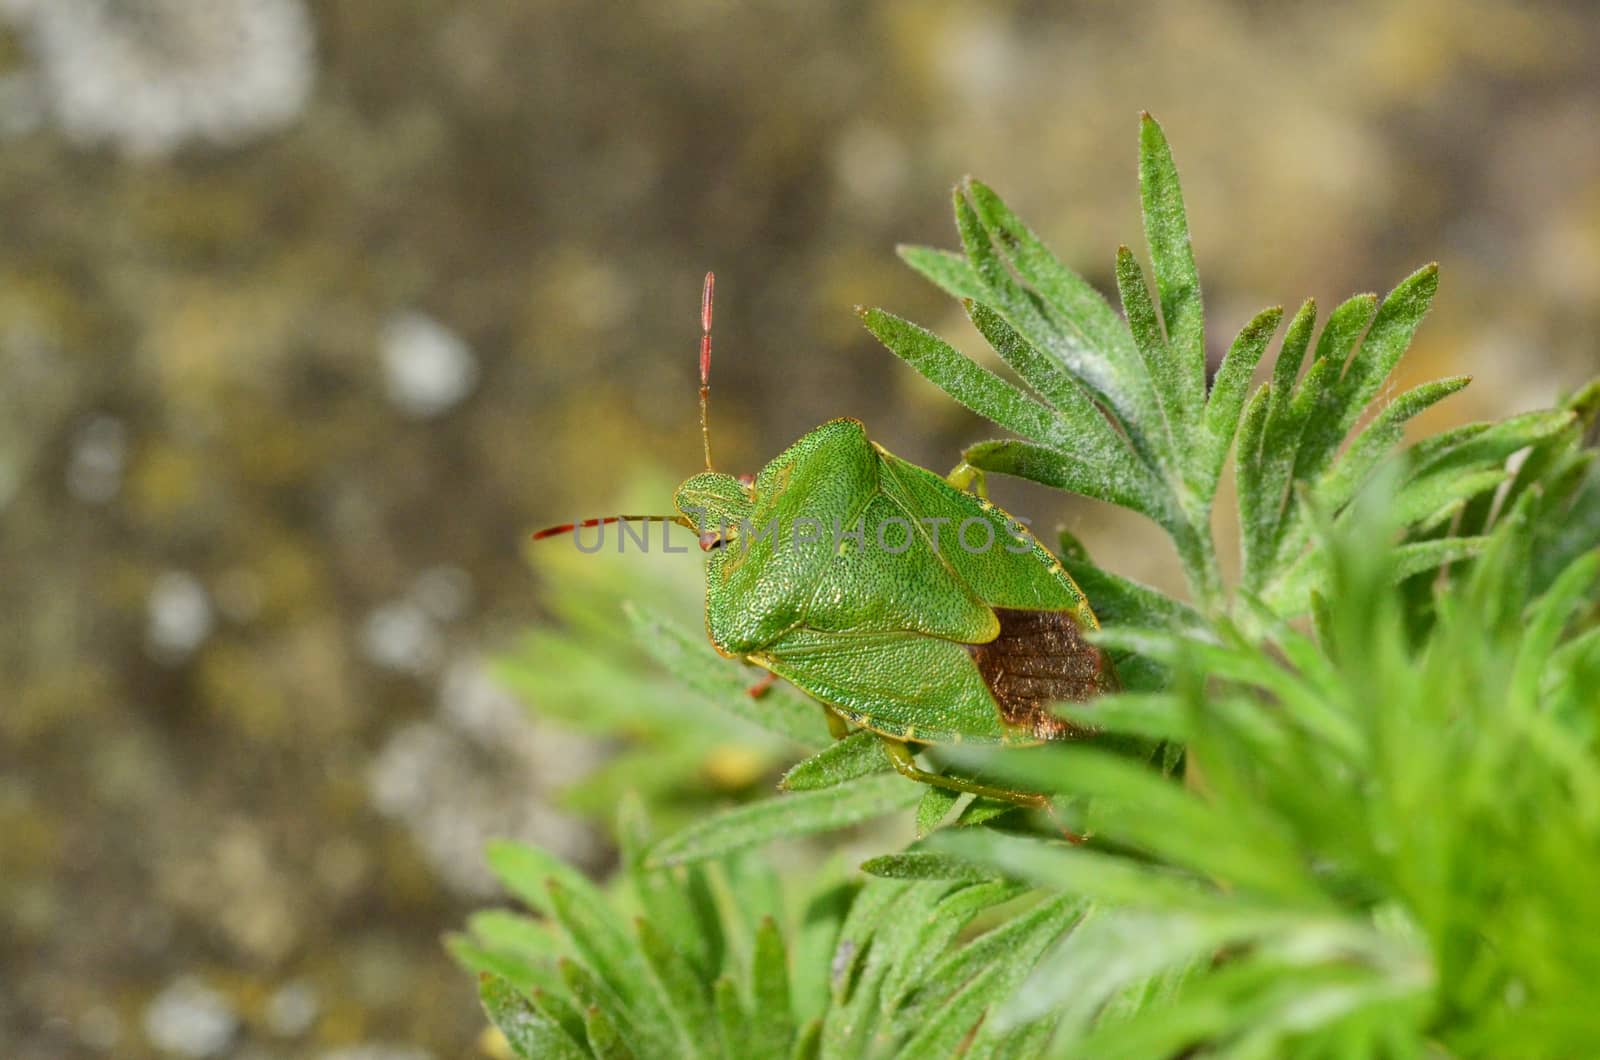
<point x="568" y="528"/>
<point x="705" y="364"/>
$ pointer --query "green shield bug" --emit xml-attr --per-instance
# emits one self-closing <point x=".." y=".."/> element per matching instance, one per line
<point x="900" y="601"/>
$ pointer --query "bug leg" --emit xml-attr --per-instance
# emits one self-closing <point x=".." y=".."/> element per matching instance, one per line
<point x="759" y="689"/>
<point x="905" y="763"/>
<point x="838" y="728"/>
<point x="965" y="476"/>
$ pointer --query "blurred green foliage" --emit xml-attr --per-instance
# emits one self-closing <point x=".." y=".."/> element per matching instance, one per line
<point x="1375" y="840"/>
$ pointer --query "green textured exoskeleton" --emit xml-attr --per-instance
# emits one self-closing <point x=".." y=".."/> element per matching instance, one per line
<point x="904" y="604"/>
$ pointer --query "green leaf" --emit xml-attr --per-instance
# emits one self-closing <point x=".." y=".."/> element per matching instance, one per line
<point x="957" y="375"/>
<point x="733" y="1022"/>
<point x="689" y="1002"/>
<point x="934" y="808"/>
<point x="1232" y="382"/>
<point x="1067" y="868"/>
<point x="924" y="865"/>
<point x="1177" y="280"/>
<point x="591" y="924"/>
<point x="1085" y="424"/>
<point x="1129" y="487"/>
<point x="947" y="270"/>
<point x="989" y="967"/>
<point x="1167" y="373"/>
<point x="1386" y="340"/>
<point x="772" y="1014"/>
<point x="788" y="815"/>
<point x="531" y="1034"/>
<point x="856" y="755"/>
<point x="1380" y="437"/>
<point x="604" y="1040"/>
<point x="1063" y="316"/>
<point x="944" y="922"/>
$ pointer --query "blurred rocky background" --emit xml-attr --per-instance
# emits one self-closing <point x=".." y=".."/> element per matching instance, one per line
<point x="309" y="311"/>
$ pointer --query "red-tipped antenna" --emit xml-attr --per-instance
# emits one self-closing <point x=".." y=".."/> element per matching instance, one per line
<point x="567" y="528"/>
<point x="705" y="363"/>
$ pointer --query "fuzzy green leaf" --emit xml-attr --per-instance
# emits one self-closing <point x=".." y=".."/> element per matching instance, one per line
<point x="1232" y="382"/>
<point x="531" y="1034"/>
<point x="1166" y="229"/>
<point x="947" y="270"/>
<point x="772" y="1014"/>
<point x="934" y="808"/>
<point x="1165" y="370"/>
<point x="1129" y="487"/>
<point x="957" y="375"/>
<point x="924" y="865"/>
<point x="799" y="814"/>
<point x="854" y="756"/>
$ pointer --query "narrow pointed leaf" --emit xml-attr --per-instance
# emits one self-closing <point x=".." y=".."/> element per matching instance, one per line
<point x="1166" y="227"/>
<point x="947" y="270"/>
<point x="1166" y="372"/>
<point x="957" y="375"/>
<point x="772" y="1012"/>
<point x="799" y="814"/>
<point x="1091" y="432"/>
<point x="1377" y="439"/>
<point x="854" y="756"/>
<point x="531" y="1034"/>
<point x="934" y="808"/>
<point x="1232" y="383"/>
<point x="924" y="865"/>
<point x="605" y="1041"/>
<point x="1126" y="487"/>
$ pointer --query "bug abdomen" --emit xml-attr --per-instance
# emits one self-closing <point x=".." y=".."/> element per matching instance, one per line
<point x="1040" y="658"/>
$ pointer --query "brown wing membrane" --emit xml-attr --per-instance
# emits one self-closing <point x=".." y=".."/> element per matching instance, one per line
<point x="1040" y="658"/>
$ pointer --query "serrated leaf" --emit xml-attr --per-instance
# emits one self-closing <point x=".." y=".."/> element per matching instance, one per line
<point x="798" y="814"/>
<point x="1390" y="332"/>
<point x="989" y="967"/>
<point x="531" y="1034"/>
<point x="856" y="755"/>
